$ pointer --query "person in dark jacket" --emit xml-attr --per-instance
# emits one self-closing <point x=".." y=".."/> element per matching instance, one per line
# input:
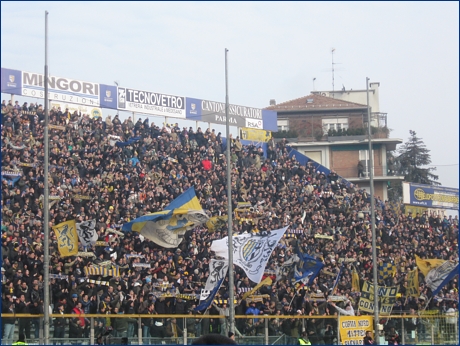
<point x="8" y="307"/>
<point x="368" y="338"/>
<point x="22" y="307"/>
<point x="59" y="326"/>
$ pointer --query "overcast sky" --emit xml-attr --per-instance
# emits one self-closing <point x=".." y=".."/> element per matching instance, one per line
<point x="275" y="51"/>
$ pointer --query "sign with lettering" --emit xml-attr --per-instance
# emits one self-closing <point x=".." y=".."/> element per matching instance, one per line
<point x="412" y="284"/>
<point x="430" y="196"/>
<point x="60" y="89"/>
<point x="153" y="103"/>
<point x="353" y="329"/>
<point x="387" y="298"/>
<point x="74" y="91"/>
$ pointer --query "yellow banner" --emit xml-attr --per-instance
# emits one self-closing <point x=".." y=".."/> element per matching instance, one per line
<point x="258" y="299"/>
<point x="67" y="237"/>
<point x="412" y="284"/>
<point x="353" y="329"/>
<point x="215" y="222"/>
<point x="267" y="281"/>
<point x="86" y="254"/>
<point x="255" y="135"/>
<point x="322" y="236"/>
<point x="414" y="209"/>
<point x="355" y="281"/>
<point x="425" y="265"/>
<point x="387" y="298"/>
<point x="93" y="112"/>
<point x="82" y="197"/>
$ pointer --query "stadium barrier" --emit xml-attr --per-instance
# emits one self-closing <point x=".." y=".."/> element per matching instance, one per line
<point x="432" y="329"/>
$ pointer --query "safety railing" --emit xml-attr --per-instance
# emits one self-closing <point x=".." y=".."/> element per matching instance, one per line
<point x="250" y="329"/>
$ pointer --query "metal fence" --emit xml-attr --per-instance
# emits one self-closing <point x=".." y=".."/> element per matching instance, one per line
<point x="430" y="329"/>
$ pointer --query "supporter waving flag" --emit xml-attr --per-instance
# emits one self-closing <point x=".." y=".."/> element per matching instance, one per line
<point x="217" y="270"/>
<point x="67" y="238"/>
<point x="87" y="232"/>
<point x="167" y="227"/>
<point x="334" y="288"/>
<point x="207" y="302"/>
<point x="307" y="269"/>
<point x="437" y="272"/>
<point x="250" y="251"/>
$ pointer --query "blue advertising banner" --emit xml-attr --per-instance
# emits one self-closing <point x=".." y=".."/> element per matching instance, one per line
<point x="430" y="196"/>
<point x="270" y="120"/>
<point x="193" y="109"/>
<point x="11" y="81"/>
<point x="108" y="96"/>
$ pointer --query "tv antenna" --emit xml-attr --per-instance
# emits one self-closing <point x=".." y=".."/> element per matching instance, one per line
<point x="334" y="69"/>
<point x="333" y="86"/>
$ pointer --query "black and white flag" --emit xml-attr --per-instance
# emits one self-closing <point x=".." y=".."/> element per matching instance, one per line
<point x="87" y="232"/>
<point x="250" y="251"/>
<point x="217" y="271"/>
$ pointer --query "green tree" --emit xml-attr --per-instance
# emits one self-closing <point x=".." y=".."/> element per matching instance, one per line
<point x="413" y="155"/>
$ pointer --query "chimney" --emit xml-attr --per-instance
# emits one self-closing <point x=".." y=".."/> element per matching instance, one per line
<point x="272" y="102"/>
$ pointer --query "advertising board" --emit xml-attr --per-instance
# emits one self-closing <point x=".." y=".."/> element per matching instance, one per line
<point x="153" y="103"/>
<point x="430" y="196"/>
<point x="72" y="91"/>
<point x="60" y="89"/>
<point x="11" y="81"/>
<point x="93" y="112"/>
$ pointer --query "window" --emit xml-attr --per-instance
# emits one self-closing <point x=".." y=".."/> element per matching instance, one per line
<point x="334" y="124"/>
<point x="283" y="125"/>
<point x="364" y="158"/>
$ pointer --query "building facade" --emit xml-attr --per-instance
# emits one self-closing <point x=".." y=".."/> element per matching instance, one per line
<point x="333" y="132"/>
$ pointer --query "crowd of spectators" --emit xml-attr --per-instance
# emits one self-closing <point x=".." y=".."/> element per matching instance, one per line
<point x="125" y="182"/>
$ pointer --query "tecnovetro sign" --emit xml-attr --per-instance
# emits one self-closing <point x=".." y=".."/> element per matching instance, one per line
<point x="151" y="103"/>
<point x="429" y="196"/>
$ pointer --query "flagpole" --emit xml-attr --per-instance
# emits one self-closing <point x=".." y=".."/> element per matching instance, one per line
<point x="46" y="254"/>
<point x="229" y="203"/>
<point x="374" y="241"/>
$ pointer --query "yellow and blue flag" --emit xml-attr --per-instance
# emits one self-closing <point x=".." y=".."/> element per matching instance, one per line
<point x="307" y="269"/>
<point x="102" y="271"/>
<point x="216" y="222"/>
<point x="67" y="238"/>
<point x="386" y="270"/>
<point x="167" y="228"/>
<point x="437" y="272"/>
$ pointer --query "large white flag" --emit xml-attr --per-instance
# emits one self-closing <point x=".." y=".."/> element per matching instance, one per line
<point x="250" y="251"/>
<point x="87" y="232"/>
<point x="217" y="271"/>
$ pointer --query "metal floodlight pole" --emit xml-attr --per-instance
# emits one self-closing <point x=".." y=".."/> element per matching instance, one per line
<point x="374" y="241"/>
<point x="231" y="296"/>
<point x="46" y="262"/>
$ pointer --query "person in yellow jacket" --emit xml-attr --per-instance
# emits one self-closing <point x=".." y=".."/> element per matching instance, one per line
<point x="303" y="340"/>
<point x="21" y="340"/>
